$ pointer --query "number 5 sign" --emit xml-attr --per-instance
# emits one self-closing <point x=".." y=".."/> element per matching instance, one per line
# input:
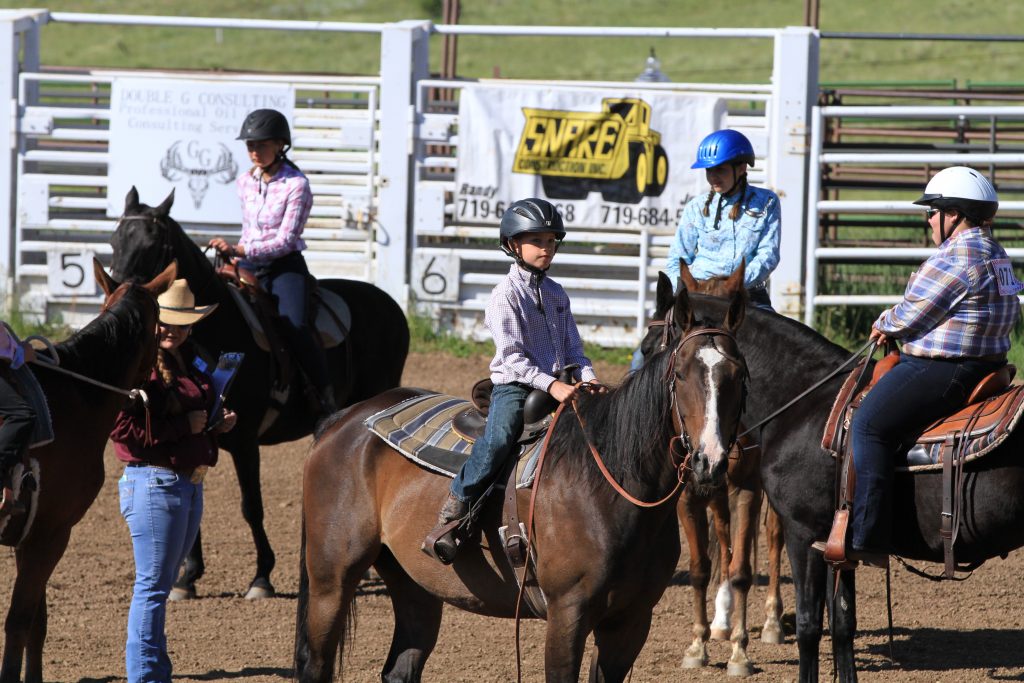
<point x="70" y="273"/>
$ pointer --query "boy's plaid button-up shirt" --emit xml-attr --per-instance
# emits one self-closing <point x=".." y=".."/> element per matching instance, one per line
<point x="534" y="332"/>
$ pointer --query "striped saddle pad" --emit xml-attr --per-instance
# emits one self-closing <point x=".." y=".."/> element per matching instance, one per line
<point x="420" y="428"/>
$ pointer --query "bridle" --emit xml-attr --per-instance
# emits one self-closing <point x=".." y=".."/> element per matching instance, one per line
<point x="682" y="436"/>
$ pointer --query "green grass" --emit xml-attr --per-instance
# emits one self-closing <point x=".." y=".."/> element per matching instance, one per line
<point x="699" y="60"/>
<point x="426" y="338"/>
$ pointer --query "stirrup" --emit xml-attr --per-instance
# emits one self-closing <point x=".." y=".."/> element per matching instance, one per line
<point x="9" y="504"/>
<point x="442" y="543"/>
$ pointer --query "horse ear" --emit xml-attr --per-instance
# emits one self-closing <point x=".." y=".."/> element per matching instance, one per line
<point x="664" y="297"/>
<point x="737" y="298"/>
<point x="686" y="277"/>
<point x="106" y="283"/>
<point x="131" y="201"/>
<point x="683" y="313"/>
<point x="163" y="281"/>
<point x="165" y="207"/>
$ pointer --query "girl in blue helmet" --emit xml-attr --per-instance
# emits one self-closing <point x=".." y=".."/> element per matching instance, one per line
<point x="733" y="223"/>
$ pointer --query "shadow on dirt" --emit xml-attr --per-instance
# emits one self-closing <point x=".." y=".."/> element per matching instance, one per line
<point x="931" y="649"/>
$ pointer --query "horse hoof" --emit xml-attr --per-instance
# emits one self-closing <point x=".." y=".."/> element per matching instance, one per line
<point x="720" y="634"/>
<point x="182" y="593"/>
<point x="772" y="635"/>
<point x="739" y="669"/>
<point x="694" y="662"/>
<point x="259" y="593"/>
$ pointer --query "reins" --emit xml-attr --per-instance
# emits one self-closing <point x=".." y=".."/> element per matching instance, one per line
<point x="680" y="468"/>
<point x="817" y="385"/>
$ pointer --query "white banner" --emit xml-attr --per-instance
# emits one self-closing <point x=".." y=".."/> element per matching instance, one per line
<point x="616" y="159"/>
<point x="180" y="134"/>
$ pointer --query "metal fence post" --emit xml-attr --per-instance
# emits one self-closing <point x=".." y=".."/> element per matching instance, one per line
<point x="795" y="81"/>
<point x="9" y="24"/>
<point x="404" y="61"/>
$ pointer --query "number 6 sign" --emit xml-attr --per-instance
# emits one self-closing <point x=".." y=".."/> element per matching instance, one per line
<point x="70" y="273"/>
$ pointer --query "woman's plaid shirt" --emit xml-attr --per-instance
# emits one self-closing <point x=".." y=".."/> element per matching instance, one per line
<point x="954" y="305"/>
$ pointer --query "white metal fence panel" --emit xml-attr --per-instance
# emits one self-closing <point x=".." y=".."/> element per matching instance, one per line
<point x="817" y="255"/>
<point x="62" y="159"/>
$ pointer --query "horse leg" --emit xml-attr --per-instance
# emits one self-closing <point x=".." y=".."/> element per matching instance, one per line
<point x="694" y="521"/>
<point x="331" y="591"/>
<point x="747" y="515"/>
<point x="809" y="577"/>
<point x="34" y="646"/>
<point x="193" y="569"/>
<point x="618" y="645"/>
<point x="720" y="507"/>
<point x="564" y="640"/>
<point x="417" y="622"/>
<point x="842" y="619"/>
<point x="246" y="456"/>
<point x="25" y="627"/>
<point x="771" y="632"/>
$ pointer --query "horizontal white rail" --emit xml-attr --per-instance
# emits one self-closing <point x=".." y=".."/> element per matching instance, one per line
<point x="204" y="22"/>
<point x="922" y="112"/>
<point x="939" y="159"/>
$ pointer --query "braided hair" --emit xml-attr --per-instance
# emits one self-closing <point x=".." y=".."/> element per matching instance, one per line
<point x="734" y="213"/>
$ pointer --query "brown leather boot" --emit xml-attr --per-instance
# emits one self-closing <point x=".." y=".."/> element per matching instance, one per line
<point x="442" y="543"/>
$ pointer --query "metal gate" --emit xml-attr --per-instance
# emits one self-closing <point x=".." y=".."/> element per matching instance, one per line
<point x="62" y="159"/>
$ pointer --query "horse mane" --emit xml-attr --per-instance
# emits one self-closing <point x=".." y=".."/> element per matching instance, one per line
<point x="630" y="427"/>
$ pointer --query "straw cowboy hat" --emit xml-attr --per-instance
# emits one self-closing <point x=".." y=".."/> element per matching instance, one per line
<point x="178" y="306"/>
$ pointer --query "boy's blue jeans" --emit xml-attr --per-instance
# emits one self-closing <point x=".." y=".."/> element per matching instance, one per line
<point x="163" y="509"/>
<point x="908" y="398"/>
<point x="490" y="452"/>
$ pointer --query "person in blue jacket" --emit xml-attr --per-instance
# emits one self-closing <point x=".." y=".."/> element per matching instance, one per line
<point x="733" y="223"/>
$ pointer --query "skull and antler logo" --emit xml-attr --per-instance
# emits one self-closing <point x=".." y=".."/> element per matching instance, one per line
<point x="201" y="167"/>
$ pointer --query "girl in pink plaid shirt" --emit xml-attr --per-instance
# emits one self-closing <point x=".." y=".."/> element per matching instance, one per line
<point x="276" y="201"/>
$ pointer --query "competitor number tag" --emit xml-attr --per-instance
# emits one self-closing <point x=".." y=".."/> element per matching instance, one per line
<point x="1008" y="282"/>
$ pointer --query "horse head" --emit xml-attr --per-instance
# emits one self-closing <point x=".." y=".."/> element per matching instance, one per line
<point x="142" y="240"/>
<point x="143" y="297"/>
<point x="708" y="375"/>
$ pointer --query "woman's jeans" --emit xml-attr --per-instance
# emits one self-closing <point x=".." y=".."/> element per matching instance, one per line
<point x="163" y="509"/>
<point x="288" y="281"/>
<point x="908" y="398"/>
<point x="491" y="451"/>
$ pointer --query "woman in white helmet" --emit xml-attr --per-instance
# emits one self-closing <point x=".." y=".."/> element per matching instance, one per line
<point x="954" y="324"/>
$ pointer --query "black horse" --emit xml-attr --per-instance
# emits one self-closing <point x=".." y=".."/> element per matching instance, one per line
<point x="785" y="358"/>
<point x="368" y="362"/>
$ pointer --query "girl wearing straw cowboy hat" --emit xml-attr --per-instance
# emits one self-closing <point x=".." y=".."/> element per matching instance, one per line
<point x="167" y="450"/>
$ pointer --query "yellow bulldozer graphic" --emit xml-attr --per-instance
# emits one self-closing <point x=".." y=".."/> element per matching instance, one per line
<point x="613" y="152"/>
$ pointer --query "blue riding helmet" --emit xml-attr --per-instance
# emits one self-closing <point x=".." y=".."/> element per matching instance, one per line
<point x="723" y="146"/>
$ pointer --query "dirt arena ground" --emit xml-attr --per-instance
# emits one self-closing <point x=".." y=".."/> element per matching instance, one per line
<point x="966" y="631"/>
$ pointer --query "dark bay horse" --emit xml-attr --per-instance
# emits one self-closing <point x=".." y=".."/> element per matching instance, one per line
<point x="786" y="358"/>
<point x="736" y="509"/>
<point x="368" y="362"/>
<point x="119" y="349"/>
<point x="603" y="562"/>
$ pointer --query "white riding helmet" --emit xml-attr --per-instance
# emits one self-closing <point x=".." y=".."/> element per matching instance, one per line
<point x="963" y="189"/>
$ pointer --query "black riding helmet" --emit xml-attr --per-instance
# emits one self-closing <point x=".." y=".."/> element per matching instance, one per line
<point x="266" y="124"/>
<point x="529" y="215"/>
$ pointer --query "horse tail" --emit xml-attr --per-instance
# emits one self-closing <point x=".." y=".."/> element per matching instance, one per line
<point x="301" y="654"/>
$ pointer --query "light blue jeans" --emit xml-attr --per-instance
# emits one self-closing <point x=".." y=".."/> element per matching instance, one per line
<point x="163" y="509"/>
<point x="491" y="451"/>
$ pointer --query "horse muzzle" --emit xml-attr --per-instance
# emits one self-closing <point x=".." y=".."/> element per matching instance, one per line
<point x="709" y="472"/>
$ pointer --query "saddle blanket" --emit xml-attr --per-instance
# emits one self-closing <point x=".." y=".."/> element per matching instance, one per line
<point x="420" y="428"/>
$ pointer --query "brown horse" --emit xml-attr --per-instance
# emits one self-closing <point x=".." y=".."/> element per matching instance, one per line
<point x="739" y="503"/>
<point x="602" y="561"/>
<point x="118" y="348"/>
